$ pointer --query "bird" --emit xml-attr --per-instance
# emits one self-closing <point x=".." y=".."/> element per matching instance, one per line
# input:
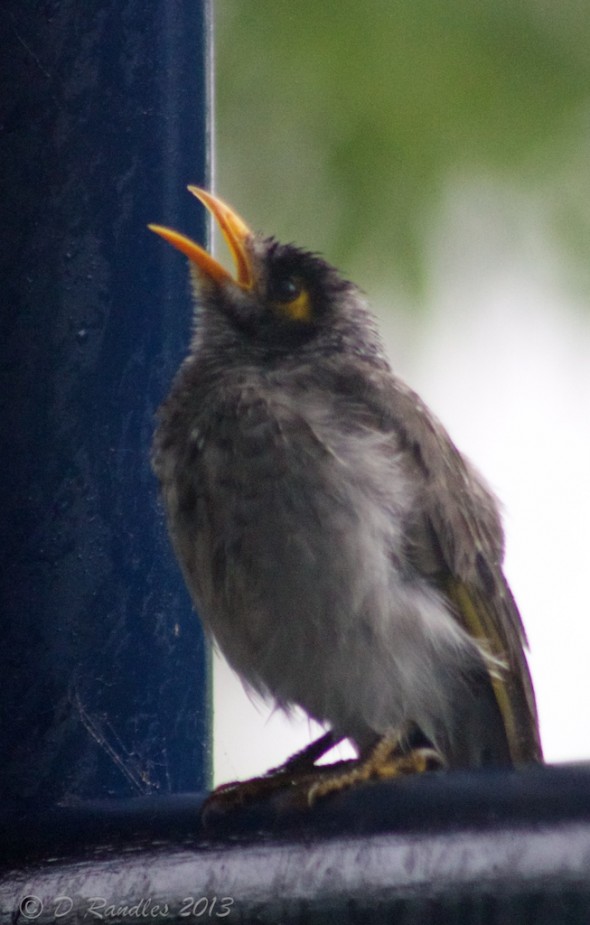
<point x="343" y="555"/>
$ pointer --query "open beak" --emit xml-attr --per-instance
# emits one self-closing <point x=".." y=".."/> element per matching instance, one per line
<point x="234" y="230"/>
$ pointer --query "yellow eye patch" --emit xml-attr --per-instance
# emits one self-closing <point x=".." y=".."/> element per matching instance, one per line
<point x="291" y="299"/>
<point x="297" y="309"/>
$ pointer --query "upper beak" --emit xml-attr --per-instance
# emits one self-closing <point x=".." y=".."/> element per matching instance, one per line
<point x="234" y="230"/>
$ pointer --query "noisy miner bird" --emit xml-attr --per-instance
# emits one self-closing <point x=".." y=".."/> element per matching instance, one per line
<point x="342" y="553"/>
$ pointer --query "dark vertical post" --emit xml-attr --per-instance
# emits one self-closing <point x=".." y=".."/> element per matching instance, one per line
<point x="104" y="120"/>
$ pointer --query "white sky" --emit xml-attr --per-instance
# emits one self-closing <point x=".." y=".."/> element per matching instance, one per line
<point x="502" y="355"/>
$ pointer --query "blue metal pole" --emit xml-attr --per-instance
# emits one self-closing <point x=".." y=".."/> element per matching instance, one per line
<point x="105" y="113"/>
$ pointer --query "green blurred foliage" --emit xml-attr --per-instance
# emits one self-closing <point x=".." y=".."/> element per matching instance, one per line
<point x="341" y="124"/>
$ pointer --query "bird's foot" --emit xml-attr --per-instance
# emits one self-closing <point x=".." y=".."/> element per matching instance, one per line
<point x="304" y="782"/>
<point x="387" y="759"/>
<point x="298" y="771"/>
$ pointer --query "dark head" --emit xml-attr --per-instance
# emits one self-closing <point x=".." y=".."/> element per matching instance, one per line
<point x="282" y="299"/>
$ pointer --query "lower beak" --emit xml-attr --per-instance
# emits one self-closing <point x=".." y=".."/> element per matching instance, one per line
<point x="234" y="230"/>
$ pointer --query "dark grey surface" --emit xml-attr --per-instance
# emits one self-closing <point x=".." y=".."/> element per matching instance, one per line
<point x="480" y="847"/>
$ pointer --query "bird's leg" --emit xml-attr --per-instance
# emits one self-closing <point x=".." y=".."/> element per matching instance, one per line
<point x="297" y="770"/>
<point x="386" y="759"/>
<point x="305" y="759"/>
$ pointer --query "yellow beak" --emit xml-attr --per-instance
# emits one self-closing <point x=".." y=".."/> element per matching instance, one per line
<point x="234" y="230"/>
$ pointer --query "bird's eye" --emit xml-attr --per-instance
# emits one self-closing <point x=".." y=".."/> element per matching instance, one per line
<point x="291" y="298"/>
<point x="286" y="289"/>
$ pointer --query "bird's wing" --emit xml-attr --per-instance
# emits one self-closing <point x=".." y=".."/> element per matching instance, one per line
<point x="457" y="540"/>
